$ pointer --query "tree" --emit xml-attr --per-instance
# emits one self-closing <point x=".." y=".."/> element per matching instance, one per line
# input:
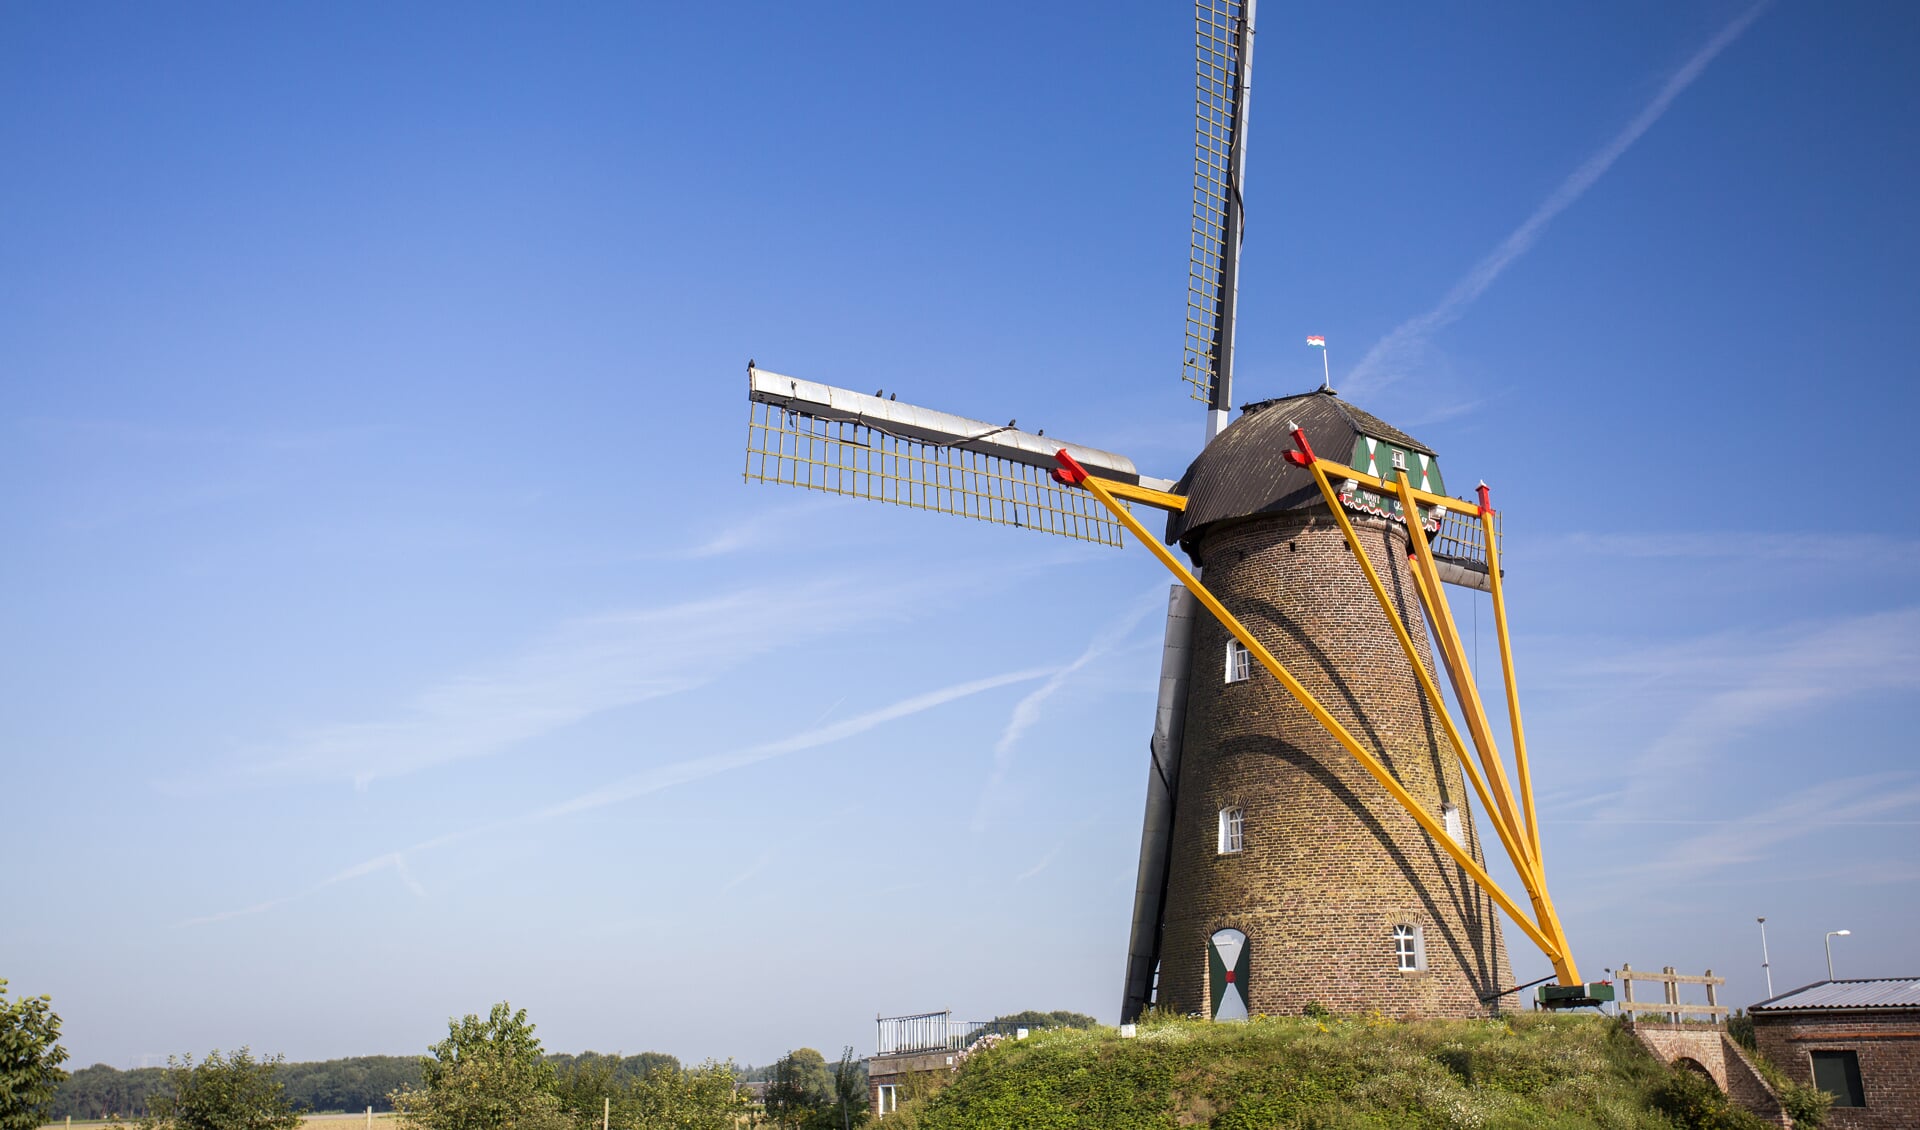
<point x="486" y="1075"/>
<point x="1033" y="1020"/>
<point x="30" y="1059"/>
<point x="800" y="1087"/>
<point x="850" y="1090"/>
<point x="705" y="1098"/>
<point x="233" y="1092"/>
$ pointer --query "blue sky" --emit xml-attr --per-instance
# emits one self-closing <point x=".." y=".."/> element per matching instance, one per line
<point x="390" y="632"/>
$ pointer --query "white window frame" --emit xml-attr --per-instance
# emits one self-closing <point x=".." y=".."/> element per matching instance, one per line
<point x="1233" y="830"/>
<point x="1409" y="947"/>
<point x="889" y="1099"/>
<point x="1239" y="662"/>
<point x="1399" y="459"/>
<point x="1450" y="816"/>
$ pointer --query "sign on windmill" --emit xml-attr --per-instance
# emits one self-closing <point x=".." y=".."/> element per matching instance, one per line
<point x="1310" y="833"/>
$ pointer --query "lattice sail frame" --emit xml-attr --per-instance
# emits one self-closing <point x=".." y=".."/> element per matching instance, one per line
<point x="806" y="434"/>
<point x="1460" y="540"/>
<point x="1218" y="44"/>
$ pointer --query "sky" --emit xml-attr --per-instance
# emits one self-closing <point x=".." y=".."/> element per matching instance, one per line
<point x="389" y="631"/>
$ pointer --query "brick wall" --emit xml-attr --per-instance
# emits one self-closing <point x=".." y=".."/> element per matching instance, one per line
<point x="1888" y="1044"/>
<point x="1331" y="864"/>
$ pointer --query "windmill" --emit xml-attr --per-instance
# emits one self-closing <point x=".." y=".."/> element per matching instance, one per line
<point x="1309" y="836"/>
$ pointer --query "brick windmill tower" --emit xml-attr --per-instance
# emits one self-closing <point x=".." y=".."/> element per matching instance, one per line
<point x="1308" y="835"/>
<point x="1281" y="857"/>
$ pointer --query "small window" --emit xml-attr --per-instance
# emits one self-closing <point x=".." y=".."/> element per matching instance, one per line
<point x="1409" y="948"/>
<point x="1451" y="817"/>
<point x="1239" y="662"/>
<point x="1400" y="460"/>
<point x="1838" y="1074"/>
<point x="1233" y="830"/>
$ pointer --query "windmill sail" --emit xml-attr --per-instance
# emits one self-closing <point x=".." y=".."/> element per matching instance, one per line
<point x="1223" y="80"/>
<point x="806" y="434"/>
<point x="1223" y="68"/>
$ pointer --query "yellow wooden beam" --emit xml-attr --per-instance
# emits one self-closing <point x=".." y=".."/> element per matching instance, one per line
<point x="1521" y="770"/>
<point x="1165" y="500"/>
<point x="1468" y="695"/>
<point x="1332" y="725"/>
<point x="1453" y="655"/>
<point x="1508" y="835"/>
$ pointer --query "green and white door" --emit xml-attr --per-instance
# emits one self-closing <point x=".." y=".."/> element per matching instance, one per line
<point x="1227" y="964"/>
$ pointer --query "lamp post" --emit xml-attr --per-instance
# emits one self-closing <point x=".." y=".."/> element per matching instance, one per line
<point x="1831" y="935"/>
<point x="1766" y="962"/>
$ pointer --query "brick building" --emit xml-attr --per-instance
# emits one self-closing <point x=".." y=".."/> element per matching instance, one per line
<point x="1858" y="1039"/>
<point x="1290" y="876"/>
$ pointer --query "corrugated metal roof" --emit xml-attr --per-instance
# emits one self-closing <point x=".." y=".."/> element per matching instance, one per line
<point x="1866" y="992"/>
<point x="1244" y="470"/>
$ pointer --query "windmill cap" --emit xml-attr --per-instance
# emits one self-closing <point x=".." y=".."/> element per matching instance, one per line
<point x="1244" y="472"/>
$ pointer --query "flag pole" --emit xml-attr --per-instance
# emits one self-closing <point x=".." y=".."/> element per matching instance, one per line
<point x="1326" y="370"/>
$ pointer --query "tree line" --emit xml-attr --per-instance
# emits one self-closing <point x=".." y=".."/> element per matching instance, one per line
<point x="490" y="1073"/>
<point x="326" y="1087"/>
<point x="332" y="1086"/>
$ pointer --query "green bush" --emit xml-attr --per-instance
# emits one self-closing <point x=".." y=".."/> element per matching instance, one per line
<point x="231" y="1092"/>
<point x="30" y="1059"/>
<point x="1325" y="1071"/>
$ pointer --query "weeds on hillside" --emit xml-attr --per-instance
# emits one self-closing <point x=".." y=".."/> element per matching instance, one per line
<point x="1325" y="1072"/>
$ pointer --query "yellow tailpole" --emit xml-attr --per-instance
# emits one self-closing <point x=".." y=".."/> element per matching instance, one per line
<point x="1470" y="704"/>
<point x="1132" y="492"/>
<point x="1506" y="832"/>
<point x="1454" y="656"/>
<point x="1506" y="670"/>
<point x="1555" y="951"/>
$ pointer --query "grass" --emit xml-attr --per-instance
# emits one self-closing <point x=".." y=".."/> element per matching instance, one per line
<point x="1340" y="1073"/>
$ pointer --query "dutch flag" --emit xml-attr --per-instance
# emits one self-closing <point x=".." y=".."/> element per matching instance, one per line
<point x="1317" y="340"/>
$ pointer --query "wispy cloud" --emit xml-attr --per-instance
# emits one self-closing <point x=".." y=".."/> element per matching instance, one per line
<point x="1865" y="799"/>
<point x="586" y="667"/>
<point x="751" y="870"/>
<point x="786" y="525"/>
<point x="1027" y="711"/>
<point x="1397" y="354"/>
<point x="1822" y="547"/>
<point x="652" y="781"/>
<point x="1042" y="863"/>
<point x="392" y="861"/>
<point x="1735" y="684"/>
<point x="693" y="769"/>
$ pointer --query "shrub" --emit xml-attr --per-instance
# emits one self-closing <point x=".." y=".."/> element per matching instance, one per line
<point x="1692" y="1101"/>
<point x="30" y="1059"/>
<point x="233" y="1092"/>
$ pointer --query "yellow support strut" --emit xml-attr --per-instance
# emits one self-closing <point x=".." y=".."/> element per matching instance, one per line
<point x="1506" y="671"/>
<point x="1469" y="698"/>
<point x="1074" y="473"/>
<point x="1508" y="835"/>
<point x="1453" y="654"/>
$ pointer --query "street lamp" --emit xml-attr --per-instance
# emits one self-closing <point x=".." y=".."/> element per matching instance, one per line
<point x="1766" y="962"/>
<point x="1831" y="935"/>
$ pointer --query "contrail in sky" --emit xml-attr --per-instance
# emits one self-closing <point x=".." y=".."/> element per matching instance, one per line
<point x="653" y="781"/>
<point x="1027" y="711"/>
<point x="1394" y="354"/>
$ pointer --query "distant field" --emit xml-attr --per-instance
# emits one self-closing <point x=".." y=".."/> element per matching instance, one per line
<point x="330" y="1121"/>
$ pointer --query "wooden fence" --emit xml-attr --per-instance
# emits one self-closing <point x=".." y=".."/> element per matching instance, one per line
<point x="1670" y="1005"/>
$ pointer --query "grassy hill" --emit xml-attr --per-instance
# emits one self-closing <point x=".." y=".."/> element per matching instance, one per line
<point x="1528" y="1070"/>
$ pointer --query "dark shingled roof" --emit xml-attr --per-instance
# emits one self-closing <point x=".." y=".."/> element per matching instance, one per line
<point x="1244" y="471"/>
